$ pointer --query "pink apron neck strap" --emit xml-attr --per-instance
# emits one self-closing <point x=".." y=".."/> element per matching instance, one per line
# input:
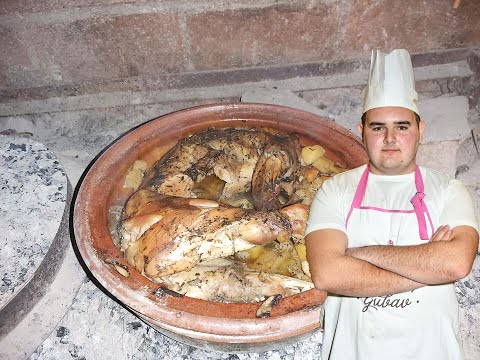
<point x="419" y="205"/>
<point x="419" y="180"/>
<point x="359" y="194"/>
<point x="362" y="186"/>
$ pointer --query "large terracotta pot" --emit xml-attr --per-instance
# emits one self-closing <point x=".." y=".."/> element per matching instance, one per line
<point x="218" y="326"/>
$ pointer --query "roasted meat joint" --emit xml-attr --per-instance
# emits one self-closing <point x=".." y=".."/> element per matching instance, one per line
<point x="221" y="215"/>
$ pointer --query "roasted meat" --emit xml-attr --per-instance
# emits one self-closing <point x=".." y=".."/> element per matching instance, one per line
<point x="230" y="165"/>
<point x="275" y="173"/>
<point x="229" y="281"/>
<point x="229" y="154"/>
<point x="218" y="193"/>
<point x="162" y="234"/>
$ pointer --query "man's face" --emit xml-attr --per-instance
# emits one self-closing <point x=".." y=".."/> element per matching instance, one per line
<point x="391" y="136"/>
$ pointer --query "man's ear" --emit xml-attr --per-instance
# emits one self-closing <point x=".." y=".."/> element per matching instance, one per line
<point x="360" y="129"/>
<point x="421" y="128"/>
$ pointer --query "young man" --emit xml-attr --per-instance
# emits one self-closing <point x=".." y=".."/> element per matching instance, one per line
<point x="388" y="239"/>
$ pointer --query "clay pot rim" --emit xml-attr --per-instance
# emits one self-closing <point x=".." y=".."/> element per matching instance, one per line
<point x="136" y="292"/>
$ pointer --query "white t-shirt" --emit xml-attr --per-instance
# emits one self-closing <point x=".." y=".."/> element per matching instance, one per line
<point x="421" y="324"/>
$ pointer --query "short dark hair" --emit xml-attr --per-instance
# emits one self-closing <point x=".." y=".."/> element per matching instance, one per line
<point x="417" y="118"/>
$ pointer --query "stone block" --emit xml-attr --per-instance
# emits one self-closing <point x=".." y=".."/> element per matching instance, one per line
<point x="469" y="23"/>
<point x="102" y="47"/>
<point x="343" y="105"/>
<point x="34" y="215"/>
<point x="469" y="174"/>
<point x="13" y="7"/>
<point x="40" y="322"/>
<point x="467" y="153"/>
<point x="414" y="25"/>
<point x="429" y="155"/>
<point x="275" y="35"/>
<point x="282" y="97"/>
<point x="14" y="53"/>
<point x="470" y="328"/>
<point x="476" y="137"/>
<point x="446" y="118"/>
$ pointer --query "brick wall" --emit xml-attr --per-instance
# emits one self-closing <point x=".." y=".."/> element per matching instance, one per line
<point x="54" y="43"/>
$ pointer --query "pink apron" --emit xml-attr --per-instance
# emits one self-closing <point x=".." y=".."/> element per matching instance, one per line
<point x="419" y="207"/>
<point x="420" y="324"/>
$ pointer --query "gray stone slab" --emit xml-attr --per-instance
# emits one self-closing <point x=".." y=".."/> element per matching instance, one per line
<point x="97" y="327"/>
<point x="39" y="323"/>
<point x="467" y="152"/>
<point x="446" y="118"/>
<point x="475" y="193"/>
<point x="468" y="293"/>
<point x="476" y="137"/>
<point x="429" y="155"/>
<point x="469" y="320"/>
<point x="469" y="174"/>
<point x="100" y="100"/>
<point x="468" y="171"/>
<point x="282" y="97"/>
<point x="34" y="211"/>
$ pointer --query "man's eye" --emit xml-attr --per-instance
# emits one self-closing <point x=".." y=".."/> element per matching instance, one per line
<point x="377" y="128"/>
<point x="403" y="128"/>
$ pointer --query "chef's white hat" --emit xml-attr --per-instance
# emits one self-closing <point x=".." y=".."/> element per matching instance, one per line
<point x="391" y="81"/>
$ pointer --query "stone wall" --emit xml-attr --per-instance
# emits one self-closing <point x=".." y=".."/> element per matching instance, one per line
<point x="53" y="43"/>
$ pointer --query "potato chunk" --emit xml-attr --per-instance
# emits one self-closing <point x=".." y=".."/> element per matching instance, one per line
<point x="312" y="153"/>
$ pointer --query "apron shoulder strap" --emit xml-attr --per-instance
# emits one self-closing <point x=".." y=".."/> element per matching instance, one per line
<point x="419" y="205"/>
<point x="359" y="194"/>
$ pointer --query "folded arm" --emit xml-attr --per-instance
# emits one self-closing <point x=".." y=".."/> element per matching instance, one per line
<point x="334" y="271"/>
<point x="435" y="262"/>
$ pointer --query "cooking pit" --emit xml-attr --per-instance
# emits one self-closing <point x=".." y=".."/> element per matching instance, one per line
<point x="232" y="327"/>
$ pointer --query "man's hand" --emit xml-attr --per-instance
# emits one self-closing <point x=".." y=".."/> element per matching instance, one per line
<point x="443" y="233"/>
